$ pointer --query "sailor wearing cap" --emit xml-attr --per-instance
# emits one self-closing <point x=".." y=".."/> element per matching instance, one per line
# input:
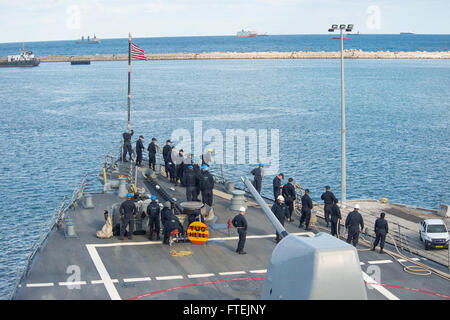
<point x="127" y="213"/>
<point x="240" y="223"/>
<point x="307" y="206"/>
<point x="258" y="173"/>
<point x="281" y="211"/>
<point x="381" y="229"/>
<point x="139" y="148"/>
<point x="153" y="213"/>
<point x="328" y="199"/>
<point x="167" y="149"/>
<point x="352" y="223"/>
<point x="152" y="154"/>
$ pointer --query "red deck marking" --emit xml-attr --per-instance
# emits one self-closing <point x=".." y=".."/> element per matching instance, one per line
<point x="409" y="289"/>
<point x="193" y="285"/>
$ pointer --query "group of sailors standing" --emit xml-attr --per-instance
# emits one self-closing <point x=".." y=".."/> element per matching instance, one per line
<point x="197" y="179"/>
<point x="283" y="206"/>
<point x="190" y="172"/>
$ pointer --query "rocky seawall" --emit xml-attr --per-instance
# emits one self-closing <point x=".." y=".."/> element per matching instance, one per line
<point x="348" y="54"/>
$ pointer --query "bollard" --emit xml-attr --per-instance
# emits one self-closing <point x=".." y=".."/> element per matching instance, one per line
<point x="229" y="186"/>
<point x="122" y="192"/>
<point x="238" y="200"/>
<point x="70" y="229"/>
<point x="88" y="204"/>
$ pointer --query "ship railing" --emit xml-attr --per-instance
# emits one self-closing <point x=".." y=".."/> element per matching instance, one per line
<point x="58" y="216"/>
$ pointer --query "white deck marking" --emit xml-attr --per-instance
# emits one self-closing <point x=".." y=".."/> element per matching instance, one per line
<point x="169" y="277"/>
<point x="380" y="261"/>
<point x="362" y="263"/>
<point x="102" y="282"/>
<point x="200" y="275"/>
<point x="104" y="275"/>
<point x="73" y="283"/>
<point x="379" y="288"/>
<point x="231" y="272"/>
<point x="404" y="260"/>
<point x="258" y="271"/>
<point x="137" y="279"/>
<point x="309" y="234"/>
<point x="34" y="285"/>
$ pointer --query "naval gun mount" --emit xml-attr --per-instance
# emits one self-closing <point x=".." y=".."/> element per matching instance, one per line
<point x="318" y="268"/>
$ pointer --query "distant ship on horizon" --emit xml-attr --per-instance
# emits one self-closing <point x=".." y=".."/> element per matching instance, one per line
<point x="246" y="34"/>
<point x="408" y="32"/>
<point x="88" y="40"/>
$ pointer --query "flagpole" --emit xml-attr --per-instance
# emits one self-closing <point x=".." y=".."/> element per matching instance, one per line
<point x="129" y="78"/>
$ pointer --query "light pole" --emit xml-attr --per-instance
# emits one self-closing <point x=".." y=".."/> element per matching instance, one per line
<point x="347" y="28"/>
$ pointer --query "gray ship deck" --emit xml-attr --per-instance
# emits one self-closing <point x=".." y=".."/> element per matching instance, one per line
<point x="142" y="269"/>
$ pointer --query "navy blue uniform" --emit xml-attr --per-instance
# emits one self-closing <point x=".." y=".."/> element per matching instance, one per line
<point x="170" y="225"/>
<point x="307" y="206"/>
<point x="167" y="150"/>
<point x="190" y="180"/>
<point x="335" y="217"/>
<point x="139" y="148"/>
<point x="206" y="187"/>
<point x="328" y="200"/>
<point x="153" y="212"/>
<point x="276" y="187"/>
<point x="240" y="223"/>
<point x="151" y="155"/>
<point x="352" y="223"/>
<point x="127" y="145"/>
<point x="281" y="212"/>
<point x="289" y="197"/>
<point x="127" y="213"/>
<point x="381" y="229"/>
<point x="257" y="182"/>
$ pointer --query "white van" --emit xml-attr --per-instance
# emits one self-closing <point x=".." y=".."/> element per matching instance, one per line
<point x="434" y="234"/>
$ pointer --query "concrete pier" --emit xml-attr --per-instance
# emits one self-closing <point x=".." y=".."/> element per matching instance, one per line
<point x="348" y="54"/>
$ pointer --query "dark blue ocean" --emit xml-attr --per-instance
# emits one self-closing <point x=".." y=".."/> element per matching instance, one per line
<point x="59" y="120"/>
<point x="282" y="43"/>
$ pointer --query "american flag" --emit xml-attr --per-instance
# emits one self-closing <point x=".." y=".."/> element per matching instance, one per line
<point x="137" y="53"/>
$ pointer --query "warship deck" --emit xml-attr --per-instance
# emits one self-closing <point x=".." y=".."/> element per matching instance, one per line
<point x="88" y="268"/>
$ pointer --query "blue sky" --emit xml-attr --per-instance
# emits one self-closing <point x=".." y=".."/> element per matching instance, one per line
<point x="41" y="20"/>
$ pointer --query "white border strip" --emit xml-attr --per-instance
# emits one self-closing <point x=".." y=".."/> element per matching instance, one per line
<point x="34" y="285"/>
<point x="169" y="277"/>
<point x="259" y="271"/>
<point x="380" y="261"/>
<point x="200" y="275"/>
<point x="137" y="279"/>
<point x="73" y="283"/>
<point x="231" y="273"/>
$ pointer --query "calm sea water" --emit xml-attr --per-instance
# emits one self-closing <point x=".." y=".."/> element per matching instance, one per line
<point x="59" y="120"/>
<point x="392" y="42"/>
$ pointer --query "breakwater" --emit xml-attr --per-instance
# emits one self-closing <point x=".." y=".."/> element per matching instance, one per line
<point x="348" y="54"/>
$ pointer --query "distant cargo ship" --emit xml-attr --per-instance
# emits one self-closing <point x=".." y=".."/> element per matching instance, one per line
<point x="24" y="59"/>
<point x="246" y="34"/>
<point x="88" y="40"/>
